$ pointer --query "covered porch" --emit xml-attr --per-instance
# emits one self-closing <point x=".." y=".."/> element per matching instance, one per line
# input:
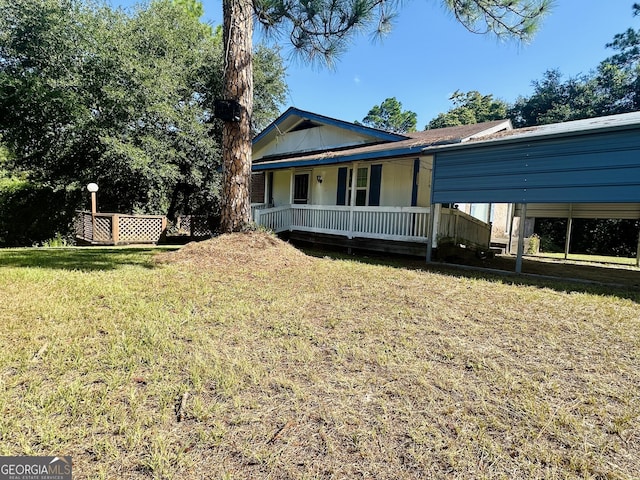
<point x="396" y="229"/>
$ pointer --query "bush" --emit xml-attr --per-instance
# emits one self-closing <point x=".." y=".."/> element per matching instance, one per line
<point x="32" y="215"/>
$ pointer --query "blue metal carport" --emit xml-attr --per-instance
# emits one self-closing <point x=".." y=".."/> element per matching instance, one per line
<point x="585" y="161"/>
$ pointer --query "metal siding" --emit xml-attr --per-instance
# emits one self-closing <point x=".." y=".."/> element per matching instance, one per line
<point x="593" y="168"/>
<point x="629" y="211"/>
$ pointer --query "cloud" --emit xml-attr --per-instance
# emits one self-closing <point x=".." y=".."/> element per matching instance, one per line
<point x="356" y="79"/>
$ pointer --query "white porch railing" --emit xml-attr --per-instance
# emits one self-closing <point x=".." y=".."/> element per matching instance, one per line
<point x="408" y="224"/>
<point x="461" y="228"/>
<point x="386" y="223"/>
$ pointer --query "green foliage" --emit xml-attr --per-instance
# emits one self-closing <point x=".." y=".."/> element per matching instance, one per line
<point x="511" y="18"/>
<point x="321" y="29"/>
<point x="389" y="116"/>
<point x="613" y="87"/>
<point x="469" y="108"/>
<point x="613" y="237"/>
<point x="270" y="91"/>
<point x="31" y="213"/>
<point x="92" y="94"/>
<point x="58" y="241"/>
<point x="556" y="101"/>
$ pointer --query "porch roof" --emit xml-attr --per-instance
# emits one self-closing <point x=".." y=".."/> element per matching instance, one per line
<point x="411" y="146"/>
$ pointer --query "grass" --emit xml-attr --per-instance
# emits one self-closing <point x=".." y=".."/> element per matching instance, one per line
<point x="592" y="258"/>
<point x="243" y="358"/>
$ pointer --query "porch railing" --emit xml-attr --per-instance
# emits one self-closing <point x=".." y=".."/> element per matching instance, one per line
<point x="409" y="224"/>
<point x="115" y="228"/>
<point x="387" y="223"/>
<point x="461" y="228"/>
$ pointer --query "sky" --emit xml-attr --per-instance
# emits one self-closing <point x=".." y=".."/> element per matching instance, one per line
<point x="428" y="55"/>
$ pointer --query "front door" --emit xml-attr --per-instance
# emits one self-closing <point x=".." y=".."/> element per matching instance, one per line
<point x="301" y="188"/>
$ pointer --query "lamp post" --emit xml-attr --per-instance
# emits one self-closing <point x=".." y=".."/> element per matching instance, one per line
<point x="93" y="188"/>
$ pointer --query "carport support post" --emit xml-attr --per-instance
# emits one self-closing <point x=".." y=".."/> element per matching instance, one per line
<point x="638" y="253"/>
<point x="523" y="218"/>
<point x="567" y="242"/>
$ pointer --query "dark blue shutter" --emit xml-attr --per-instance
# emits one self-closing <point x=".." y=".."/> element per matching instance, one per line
<point x="341" y="196"/>
<point x="374" y="189"/>
<point x="414" y="189"/>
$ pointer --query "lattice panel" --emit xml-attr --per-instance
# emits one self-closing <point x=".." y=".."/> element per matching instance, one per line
<point x="83" y="226"/>
<point x="200" y="227"/>
<point x="183" y="224"/>
<point x="136" y="229"/>
<point x="193" y="226"/>
<point x="103" y="229"/>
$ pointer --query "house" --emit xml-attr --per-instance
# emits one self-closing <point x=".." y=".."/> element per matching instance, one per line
<point x="335" y="182"/>
<point x="325" y="180"/>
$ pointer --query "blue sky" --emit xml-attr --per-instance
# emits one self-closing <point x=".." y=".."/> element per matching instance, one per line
<point x="428" y="56"/>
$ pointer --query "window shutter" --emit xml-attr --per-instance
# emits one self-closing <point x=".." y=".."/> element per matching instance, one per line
<point x="414" y="189"/>
<point x="374" y="189"/>
<point x="341" y="196"/>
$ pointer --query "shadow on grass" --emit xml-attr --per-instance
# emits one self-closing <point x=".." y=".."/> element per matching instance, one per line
<point x="84" y="259"/>
<point x="563" y="277"/>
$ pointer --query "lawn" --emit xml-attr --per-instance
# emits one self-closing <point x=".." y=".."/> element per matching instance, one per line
<point x="242" y="357"/>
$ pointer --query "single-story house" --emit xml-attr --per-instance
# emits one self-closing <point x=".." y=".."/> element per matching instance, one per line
<point x="327" y="180"/>
<point x="304" y="183"/>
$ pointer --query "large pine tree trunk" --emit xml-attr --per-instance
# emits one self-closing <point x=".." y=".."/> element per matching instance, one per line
<point x="236" y="136"/>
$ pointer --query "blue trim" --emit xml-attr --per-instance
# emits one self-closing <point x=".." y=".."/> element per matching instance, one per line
<point x="374" y="189"/>
<point x="374" y="132"/>
<point x="414" y="188"/>
<point x="316" y="161"/>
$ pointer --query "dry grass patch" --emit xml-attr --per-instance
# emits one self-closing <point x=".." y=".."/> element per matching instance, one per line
<point x="240" y="357"/>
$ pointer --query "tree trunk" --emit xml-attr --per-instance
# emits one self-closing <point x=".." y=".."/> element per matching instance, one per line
<point x="236" y="135"/>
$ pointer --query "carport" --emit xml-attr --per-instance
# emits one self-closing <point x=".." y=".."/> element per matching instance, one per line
<point x="580" y="169"/>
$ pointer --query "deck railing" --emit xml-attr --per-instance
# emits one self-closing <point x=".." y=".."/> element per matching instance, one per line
<point x="388" y="223"/>
<point x="409" y="224"/>
<point x="116" y="228"/>
<point x="461" y="228"/>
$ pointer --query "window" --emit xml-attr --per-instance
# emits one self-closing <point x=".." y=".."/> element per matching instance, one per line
<point x="362" y="181"/>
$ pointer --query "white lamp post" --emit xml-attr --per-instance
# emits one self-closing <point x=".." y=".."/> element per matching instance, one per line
<point x="93" y="188"/>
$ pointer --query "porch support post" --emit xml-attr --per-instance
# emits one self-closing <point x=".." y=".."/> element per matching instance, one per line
<point x="567" y="241"/>
<point x="638" y="253"/>
<point x="432" y="231"/>
<point x="352" y="199"/>
<point x="523" y="217"/>
<point x="291" y="184"/>
<point x="430" y="234"/>
<point x="512" y="214"/>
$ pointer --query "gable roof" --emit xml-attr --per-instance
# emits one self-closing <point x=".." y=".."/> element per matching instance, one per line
<point x="294" y="116"/>
<point x="404" y="145"/>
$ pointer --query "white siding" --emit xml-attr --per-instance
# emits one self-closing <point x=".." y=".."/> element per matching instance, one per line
<point x="324" y="193"/>
<point x="396" y="186"/>
<point x="281" y="187"/>
<point x="324" y="137"/>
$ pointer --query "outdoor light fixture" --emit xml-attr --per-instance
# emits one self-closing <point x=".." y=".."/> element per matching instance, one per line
<point x="319" y="178"/>
<point x="93" y="188"/>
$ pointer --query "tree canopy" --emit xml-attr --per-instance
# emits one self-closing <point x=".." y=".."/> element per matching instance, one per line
<point x="389" y="116"/>
<point x="470" y="107"/>
<point x="93" y="94"/>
